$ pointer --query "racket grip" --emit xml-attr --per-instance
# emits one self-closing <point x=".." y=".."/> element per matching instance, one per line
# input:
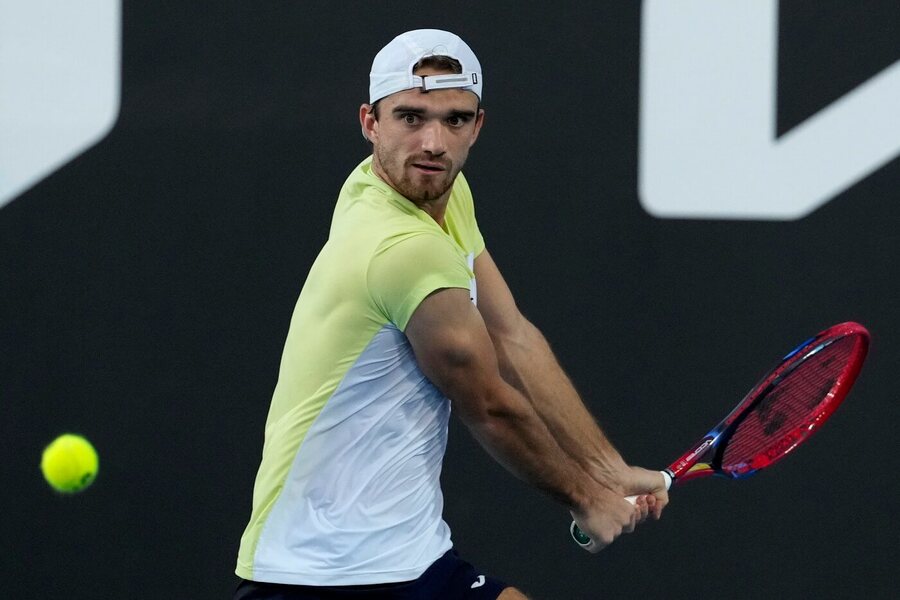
<point x="584" y="541"/>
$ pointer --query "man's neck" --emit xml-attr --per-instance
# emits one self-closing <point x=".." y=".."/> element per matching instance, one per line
<point x="435" y="208"/>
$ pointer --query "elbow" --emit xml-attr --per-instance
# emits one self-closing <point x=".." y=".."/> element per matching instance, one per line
<point x="495" y="408"/>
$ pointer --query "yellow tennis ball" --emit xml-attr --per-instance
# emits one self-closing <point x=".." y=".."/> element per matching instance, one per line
<point x="69" y="463"/>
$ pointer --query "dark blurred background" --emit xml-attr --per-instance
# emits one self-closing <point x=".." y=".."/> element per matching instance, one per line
<point x="147" y="288"/>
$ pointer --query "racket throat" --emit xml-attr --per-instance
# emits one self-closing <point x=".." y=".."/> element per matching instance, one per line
<point x="700" y="469"/>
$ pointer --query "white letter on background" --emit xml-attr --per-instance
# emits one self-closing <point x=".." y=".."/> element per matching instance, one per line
<point x="708" y="119"/>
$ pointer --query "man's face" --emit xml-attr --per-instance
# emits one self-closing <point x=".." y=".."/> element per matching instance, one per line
<point x="421" y="139"/>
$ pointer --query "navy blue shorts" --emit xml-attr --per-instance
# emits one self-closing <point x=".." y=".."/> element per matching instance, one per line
<point x="448" y="578"/>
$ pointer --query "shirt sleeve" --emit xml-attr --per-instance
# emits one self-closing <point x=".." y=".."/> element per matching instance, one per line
<point x="402" y="273"/>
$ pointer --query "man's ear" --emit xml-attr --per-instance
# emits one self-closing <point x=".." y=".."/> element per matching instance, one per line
<point x="367" y="122"/>
<point x="479" y="121"/>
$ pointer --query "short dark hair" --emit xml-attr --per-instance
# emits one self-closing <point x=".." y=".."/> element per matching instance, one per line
<point x="435" y="61"/>
<point x="439" y="61"/>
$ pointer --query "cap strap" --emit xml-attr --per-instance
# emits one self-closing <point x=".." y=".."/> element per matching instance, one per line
<point x="440" y="82"/>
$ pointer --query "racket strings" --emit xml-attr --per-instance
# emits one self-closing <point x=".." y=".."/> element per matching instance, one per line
<point x="778" y="421"/>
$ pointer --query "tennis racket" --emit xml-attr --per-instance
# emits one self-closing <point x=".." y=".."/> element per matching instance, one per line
<point x="778" y="414"/>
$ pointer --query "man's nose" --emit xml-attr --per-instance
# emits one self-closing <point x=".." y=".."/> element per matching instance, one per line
<point x="433" y="138"/>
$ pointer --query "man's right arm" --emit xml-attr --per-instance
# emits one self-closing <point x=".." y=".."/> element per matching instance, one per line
<point x="454" y="350"/>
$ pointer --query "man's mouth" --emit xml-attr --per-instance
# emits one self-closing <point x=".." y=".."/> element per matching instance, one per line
<point x="429" y="167"/>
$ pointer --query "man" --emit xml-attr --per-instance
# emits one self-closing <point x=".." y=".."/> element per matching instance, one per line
<point x="403" y="314"/>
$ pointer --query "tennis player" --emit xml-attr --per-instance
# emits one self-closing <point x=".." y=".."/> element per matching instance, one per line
<point x="403" y="315"/>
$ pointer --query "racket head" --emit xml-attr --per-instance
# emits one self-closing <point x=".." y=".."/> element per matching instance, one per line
<point x="781" y="411"/>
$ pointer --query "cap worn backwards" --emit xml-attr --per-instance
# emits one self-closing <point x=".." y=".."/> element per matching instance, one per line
<point x="392" y="69"/>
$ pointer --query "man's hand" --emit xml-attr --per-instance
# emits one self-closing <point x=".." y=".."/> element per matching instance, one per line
<point x="607" y="517"/>
<point x="610" y="514"/>
<point x="650" y="489"/>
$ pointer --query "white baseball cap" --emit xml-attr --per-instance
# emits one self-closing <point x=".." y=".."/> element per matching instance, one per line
<point x="392" y="69"/>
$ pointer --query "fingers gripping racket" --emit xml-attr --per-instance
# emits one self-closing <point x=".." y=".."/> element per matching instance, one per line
<point x="778" y="414"/>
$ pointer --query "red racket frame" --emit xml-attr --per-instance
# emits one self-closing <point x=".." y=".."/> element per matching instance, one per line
<point x="703" y="458"/>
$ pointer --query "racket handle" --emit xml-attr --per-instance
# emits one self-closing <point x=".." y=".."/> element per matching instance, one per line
<point x="584" y="541"/>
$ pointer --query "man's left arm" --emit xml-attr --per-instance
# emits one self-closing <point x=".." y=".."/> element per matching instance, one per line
<point x="528" y="364"/>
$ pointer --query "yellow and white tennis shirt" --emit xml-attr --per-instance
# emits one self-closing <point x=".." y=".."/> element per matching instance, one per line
<point x="348" y="490"/>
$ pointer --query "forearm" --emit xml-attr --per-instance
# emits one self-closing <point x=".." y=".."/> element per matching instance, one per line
<point x="454" y="350"/>
<point x="528" y="364"/>
<point x="515" y="435"/>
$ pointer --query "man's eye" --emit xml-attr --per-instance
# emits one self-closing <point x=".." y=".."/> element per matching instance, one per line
<point x="457" y="120"/>
<point x="410" y="119"/>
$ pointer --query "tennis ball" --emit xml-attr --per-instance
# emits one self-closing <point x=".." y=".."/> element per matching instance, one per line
<point x="69" y="463"/>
